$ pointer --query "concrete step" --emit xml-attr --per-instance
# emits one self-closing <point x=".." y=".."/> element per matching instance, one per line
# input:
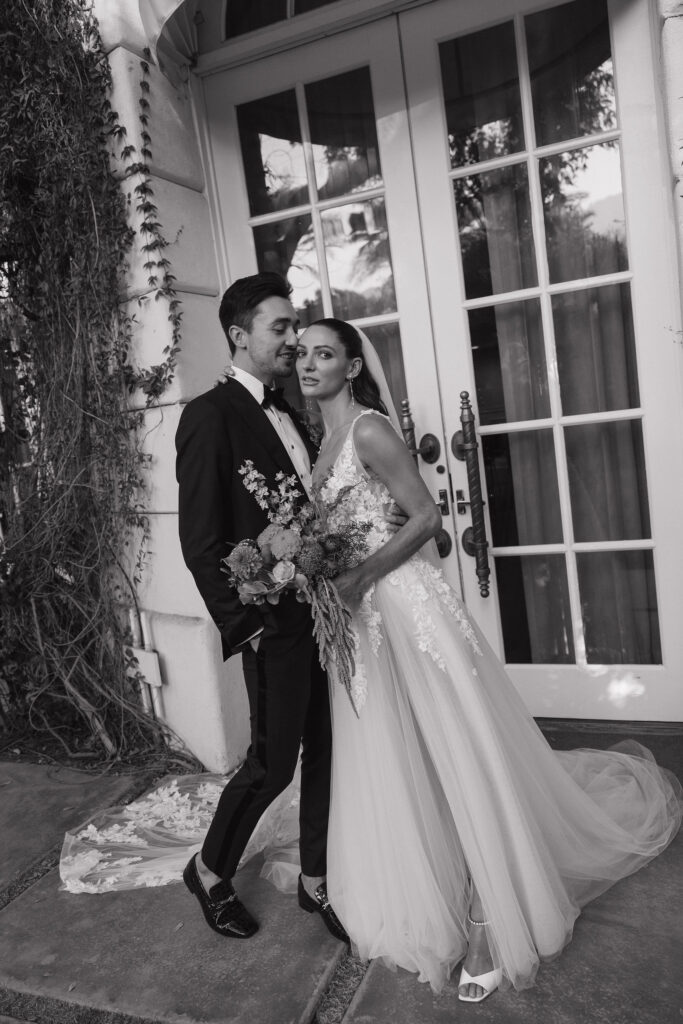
<point x="148" y="955"/>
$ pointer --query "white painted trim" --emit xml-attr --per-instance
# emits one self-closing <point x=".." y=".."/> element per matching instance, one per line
<point x="304" y="28"/>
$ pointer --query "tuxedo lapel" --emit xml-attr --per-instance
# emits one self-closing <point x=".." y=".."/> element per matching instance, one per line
<point x="263" y="431"/>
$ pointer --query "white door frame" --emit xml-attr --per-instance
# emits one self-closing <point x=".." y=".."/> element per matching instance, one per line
<point x="413" y="151"/>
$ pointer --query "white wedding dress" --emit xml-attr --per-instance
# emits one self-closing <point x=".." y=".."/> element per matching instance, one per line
<point x="442" y="775"/>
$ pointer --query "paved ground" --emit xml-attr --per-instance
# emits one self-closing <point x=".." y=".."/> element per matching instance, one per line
<point x="623" y="966"/>
<point x="52" y="800"/>
<point x="146" y="957"/>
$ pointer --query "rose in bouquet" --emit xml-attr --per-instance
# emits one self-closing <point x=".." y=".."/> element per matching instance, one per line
<point x="300" y="551"/>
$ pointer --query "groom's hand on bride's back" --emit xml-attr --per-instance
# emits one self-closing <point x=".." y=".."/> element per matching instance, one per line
<point x="395" y="516"/>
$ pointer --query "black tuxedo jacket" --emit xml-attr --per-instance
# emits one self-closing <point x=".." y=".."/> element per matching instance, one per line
<point x="217" y="432"/>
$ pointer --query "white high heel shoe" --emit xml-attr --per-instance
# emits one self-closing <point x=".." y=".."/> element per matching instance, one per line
<point x="489" y="981"/>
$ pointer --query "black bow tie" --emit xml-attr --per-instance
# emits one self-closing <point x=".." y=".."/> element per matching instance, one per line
<point x="276" y="397"/>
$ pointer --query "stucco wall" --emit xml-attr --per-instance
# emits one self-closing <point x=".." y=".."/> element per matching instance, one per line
<point x="671" y="64"/>
<point x="202" y="699"/>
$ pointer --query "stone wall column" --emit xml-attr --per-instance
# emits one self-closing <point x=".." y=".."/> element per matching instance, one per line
<point x="202" y="699"/>
<point x="671" y="57"/>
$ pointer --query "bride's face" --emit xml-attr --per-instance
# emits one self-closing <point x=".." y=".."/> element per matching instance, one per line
<point x="322" y="364"/>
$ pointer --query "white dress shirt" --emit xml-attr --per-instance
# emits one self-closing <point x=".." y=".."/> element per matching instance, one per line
<point x="286" y="431"/>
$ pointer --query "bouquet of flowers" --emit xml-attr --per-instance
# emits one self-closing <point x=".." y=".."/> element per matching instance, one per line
<point x="300" y="551"/>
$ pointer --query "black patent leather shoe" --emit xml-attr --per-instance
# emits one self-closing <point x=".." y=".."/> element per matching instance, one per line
<point x="220" y="906"/>
<point x="322" y="906"/>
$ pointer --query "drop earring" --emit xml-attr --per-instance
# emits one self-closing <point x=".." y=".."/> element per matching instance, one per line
<point x="351" y="391"/>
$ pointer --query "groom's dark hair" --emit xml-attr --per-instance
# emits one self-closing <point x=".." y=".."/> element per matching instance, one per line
<point x="239" y="302"/>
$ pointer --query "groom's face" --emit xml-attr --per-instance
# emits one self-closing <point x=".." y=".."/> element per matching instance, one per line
<point x="268" y="349"/>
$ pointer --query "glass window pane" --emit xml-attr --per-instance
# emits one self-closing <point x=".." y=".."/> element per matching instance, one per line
<point x="341" y="117"/>
<point x="619" y="607"/>
<point x="570" y="62"/>
<point x="509" y="362"/>
<point x="359" y="260"/>
<point x="272" y="153"/>
<point x="584" y="212"/>
<point x="534" y="609"/>
<point x="386" y="339"/>
<point x="481" y="95"/>
<point x="288" y="248"/>
<point x="596" y="354"/>
<point x="301" y="6"/>
<point x="494" y="223"/>
<point x="247" y="15"/>
<point x="607" y="481"/>
<point x="521" y="481"/>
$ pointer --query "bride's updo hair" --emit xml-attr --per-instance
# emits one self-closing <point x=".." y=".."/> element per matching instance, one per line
<point x="365" y="389"/>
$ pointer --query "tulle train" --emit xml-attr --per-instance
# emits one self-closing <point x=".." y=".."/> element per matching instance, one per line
<point x="445" y="775"/>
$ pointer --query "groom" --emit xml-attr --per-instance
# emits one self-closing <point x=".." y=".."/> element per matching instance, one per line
<point x="245" y="417"/>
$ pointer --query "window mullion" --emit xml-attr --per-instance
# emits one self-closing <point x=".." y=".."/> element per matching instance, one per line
<point x="538" y="228"/>
<point x="316" y="219"/>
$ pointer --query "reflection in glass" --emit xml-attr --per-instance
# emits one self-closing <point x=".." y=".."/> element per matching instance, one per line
<point x="341" y="117"/>
<point x="534" y="609"/>
<point x="607" y="481"/>
<point x="272" y="153"/>
<point x="619" y="607"/>
<point x="247" y="15"/>
<point x="301" y="6"/>
<point x="481" y="95"/>
<point x="570" y="61"/>
<point x="288" y="248"/>
<point x="386" y="339"/>
<point x="596" y="349"/>
<point x="494" y="223"/>
<point x="521" y="481"/>
<point x="356" y="242"/>
<point x="509" y="362"/>
<point x="584" y="212"/>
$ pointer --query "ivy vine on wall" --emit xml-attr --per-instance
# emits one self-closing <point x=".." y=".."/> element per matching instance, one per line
<point x="72" y="474"/>
<point x="151" y="381"/>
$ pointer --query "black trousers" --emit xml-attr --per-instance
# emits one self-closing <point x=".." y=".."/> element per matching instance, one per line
<point x="288" y="707"/>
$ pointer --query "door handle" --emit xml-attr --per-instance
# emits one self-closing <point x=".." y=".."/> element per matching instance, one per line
<point x="464" y="446"/>
<point x="429" y="447"/>
<point x="444" y="544"/>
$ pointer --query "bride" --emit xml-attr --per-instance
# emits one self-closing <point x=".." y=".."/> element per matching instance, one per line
<point x="455" y="831"/>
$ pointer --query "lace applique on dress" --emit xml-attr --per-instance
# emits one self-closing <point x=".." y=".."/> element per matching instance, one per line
<point x="119" y="848"/>
<point x="372" y="620"/>
<point x="427" y="593"/>
<point x="148" y="842"/>
<point x="359" y="683"/>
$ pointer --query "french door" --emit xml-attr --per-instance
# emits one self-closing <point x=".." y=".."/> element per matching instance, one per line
<point x="466" y="182"/>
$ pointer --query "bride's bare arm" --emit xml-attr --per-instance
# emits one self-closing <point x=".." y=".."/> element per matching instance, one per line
<point x="381" y="450"/>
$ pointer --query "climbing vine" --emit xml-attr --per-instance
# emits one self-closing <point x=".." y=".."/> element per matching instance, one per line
<point x="154" y="380"/>
<point x="72" y="472"/>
